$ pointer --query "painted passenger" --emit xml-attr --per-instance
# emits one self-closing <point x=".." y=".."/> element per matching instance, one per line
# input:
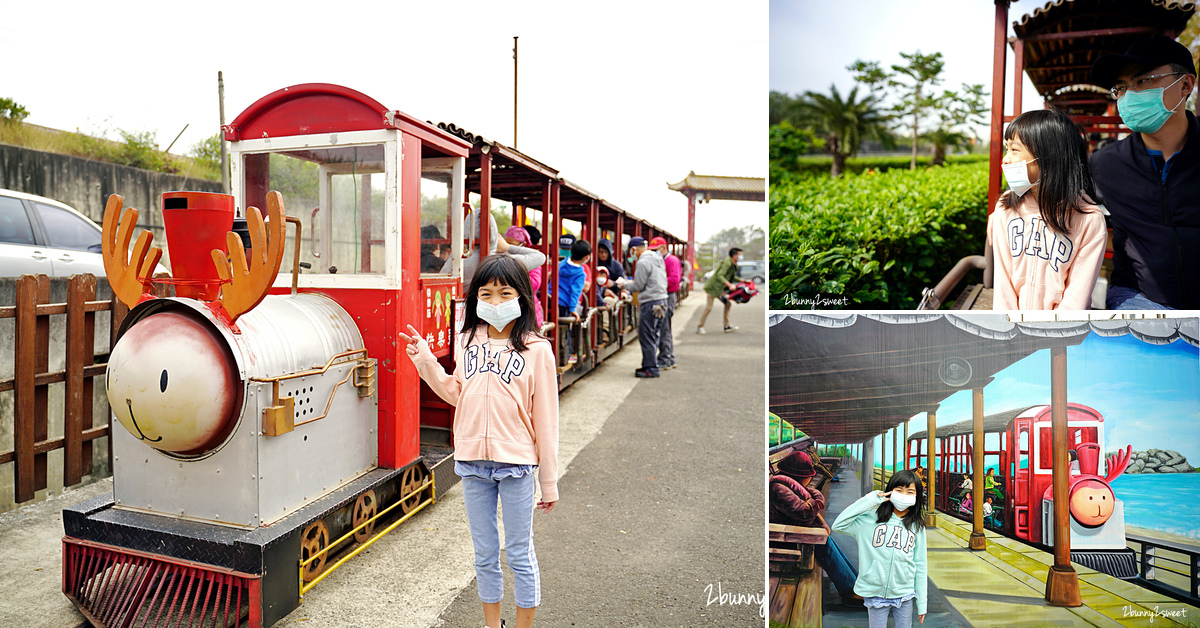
<point x="889" y="526"/>
<point x="1047" y="233"/>
<point x="505" y="391"/>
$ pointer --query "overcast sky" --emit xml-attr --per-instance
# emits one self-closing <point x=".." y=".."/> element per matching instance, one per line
<point x="622" y="97"/>
<point x="813" y="42"/>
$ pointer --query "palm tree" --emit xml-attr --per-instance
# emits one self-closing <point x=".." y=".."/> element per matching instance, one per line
<point x="845" y="123"/>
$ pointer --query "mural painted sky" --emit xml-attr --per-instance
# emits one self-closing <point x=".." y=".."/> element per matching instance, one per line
<point x="1149" y="394"/>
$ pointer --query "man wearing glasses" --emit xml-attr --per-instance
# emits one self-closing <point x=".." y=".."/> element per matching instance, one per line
<point x="1150" y="181"/>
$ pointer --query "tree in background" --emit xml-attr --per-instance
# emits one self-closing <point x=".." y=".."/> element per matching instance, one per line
<point x="956" y="115"/>
<point x="208" y="151"/>
<point x="845" y="123"/>
<point x="752" y="239"/>
<point x="10" y="110"/>
<point x="910" y="85"/>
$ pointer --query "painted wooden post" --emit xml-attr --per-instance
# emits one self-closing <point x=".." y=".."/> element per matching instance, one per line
<point x="1062" y="583"/>
<point x="996" y="147"/>
<point x="978" y="540"/>
<point x="930" y="467"/>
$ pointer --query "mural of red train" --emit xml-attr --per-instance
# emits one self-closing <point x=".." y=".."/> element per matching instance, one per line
<point x="1018" y="494"/>
<point x="271" y="426"/>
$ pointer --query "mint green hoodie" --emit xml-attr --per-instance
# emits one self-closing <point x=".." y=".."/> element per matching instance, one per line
<point x="891" y="558"/>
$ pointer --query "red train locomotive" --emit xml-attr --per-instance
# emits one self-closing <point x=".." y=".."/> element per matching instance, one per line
<point x="272" y="428"/>
<point x="1020" y="496"/>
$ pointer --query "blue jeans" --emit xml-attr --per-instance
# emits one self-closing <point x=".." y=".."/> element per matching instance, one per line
<point x="649" y="330"/>
<point x="484" y="482"/>
<point x="666" y="344"/>
<point x="1122" y="298"/>
<point x="902" y="616"/>
<point x="830" y="557"/>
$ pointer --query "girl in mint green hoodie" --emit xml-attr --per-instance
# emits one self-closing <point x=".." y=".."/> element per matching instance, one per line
<point x="890" y="530"/>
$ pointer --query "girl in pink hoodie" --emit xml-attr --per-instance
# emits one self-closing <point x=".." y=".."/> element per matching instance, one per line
<point x="1047" y="234"/>
<point x="505" y="391"/>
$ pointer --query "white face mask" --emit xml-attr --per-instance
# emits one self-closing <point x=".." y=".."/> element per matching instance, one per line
<point x="902" y="501"/>
<point x="499" y="315"/>
<point x="1017" y="175"/>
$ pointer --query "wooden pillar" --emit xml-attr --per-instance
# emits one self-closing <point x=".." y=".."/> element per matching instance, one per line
<point x="978" y="540"/>
<point x="690" y="272"/>
<point x="895" y="445"/>
<point x="930" y="467"/>
<point x="1018" y="45"/>
<point x="485" y="202"/>
<point x="882" y="459"/>
<point x="867" y="482"/>
<point x="996" y="148"/>
<point x="906" y="444"/>
<point x="1062" y="583"/>
<point x="549" y="247"/>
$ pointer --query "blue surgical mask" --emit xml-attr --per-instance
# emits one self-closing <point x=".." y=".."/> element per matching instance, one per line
<point x="499" y="315"/>
<point x="1144" y="111"/>
<point x="1017" y="175"/>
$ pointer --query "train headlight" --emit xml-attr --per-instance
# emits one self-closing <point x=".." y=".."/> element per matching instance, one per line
<point x="172" y="383"/>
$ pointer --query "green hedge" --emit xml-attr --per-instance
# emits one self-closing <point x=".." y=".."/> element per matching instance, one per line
<point x="873" y="241"/>
<point x="784" y="170"/>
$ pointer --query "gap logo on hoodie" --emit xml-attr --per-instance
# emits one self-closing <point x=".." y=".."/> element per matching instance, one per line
<point x="897" y="537"/>
<point x="482" y="358"/>
<point x="1040" y="241"/>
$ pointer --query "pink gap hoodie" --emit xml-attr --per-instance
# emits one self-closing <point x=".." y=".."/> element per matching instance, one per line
<point x="1037" y="268"/>
<point x="506" y="402"/>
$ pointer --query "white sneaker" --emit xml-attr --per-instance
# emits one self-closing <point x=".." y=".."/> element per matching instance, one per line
<point x="700" y="330"/>
<point x="731" y="329"/>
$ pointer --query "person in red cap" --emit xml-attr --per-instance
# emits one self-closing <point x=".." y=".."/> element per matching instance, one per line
<point x="666" y="343"/>
<point x="1149" y="181"/>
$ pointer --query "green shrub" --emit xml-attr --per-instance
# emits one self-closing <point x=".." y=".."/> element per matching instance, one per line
<point x="819" y="165"/>
<point x="873" y="240"/>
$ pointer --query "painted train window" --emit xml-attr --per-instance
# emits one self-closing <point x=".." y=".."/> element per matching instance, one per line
<point x="435" y="222"/>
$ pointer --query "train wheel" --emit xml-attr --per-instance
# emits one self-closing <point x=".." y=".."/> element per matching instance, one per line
<point x="314" y="539"/>
<point x="414" y="477"/>
<point x="365" y="507"/>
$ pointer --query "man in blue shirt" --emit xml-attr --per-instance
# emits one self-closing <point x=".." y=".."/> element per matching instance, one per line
<point x="571" y="279"/>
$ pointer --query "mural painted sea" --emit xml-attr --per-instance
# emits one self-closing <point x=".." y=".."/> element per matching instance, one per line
<point x="1168" y="503"/>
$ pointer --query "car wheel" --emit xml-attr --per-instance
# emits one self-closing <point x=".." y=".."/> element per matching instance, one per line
<point x="759" y="280"/>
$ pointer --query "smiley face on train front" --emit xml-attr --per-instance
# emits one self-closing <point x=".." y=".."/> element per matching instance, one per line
<point x="1092" y="502"/>
<point x="173" y="384"/>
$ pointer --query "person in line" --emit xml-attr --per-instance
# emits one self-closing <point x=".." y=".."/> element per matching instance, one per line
<point x="722" y="280"/>
<point x="650" y="282"/>
<point x="1047" y="233"/>
<point x="889" y="526"/>
<point x="505" y="391"/>
<point x="519" y="236"/>
<point x="1150" y="180"/>
<point x="571" y="283"/>
<point x="529" y="258"/>
<point x="666" y="343"/>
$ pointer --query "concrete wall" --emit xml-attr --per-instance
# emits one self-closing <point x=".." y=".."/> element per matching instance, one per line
<point x="86" y="184"/>
<point x="101" y="466"/>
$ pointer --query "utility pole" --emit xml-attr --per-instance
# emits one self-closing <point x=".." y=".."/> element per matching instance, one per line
<point x="514" y="92"/>
<point x="221" y="135"/>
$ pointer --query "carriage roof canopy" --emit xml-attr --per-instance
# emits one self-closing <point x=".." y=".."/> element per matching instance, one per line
<point x="848" y="379"/>
<point x="1063" y="38"/>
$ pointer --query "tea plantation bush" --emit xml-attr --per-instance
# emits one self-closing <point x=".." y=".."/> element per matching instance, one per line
<point x="873" y="241"/>
<point x="808" y="166"/>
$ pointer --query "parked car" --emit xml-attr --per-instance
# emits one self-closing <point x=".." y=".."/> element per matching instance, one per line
<point x="755" y="270"/>
<point x="41" y="235"/>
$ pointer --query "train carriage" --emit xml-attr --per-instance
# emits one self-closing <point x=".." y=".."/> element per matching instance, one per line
<point x="273" y="427"/>
<point x="1019" y="441"/>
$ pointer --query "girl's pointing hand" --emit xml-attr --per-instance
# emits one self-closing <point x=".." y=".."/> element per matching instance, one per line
<point x="412" y="341"/>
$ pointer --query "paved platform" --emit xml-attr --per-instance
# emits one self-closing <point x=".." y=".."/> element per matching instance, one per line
<point x="664" y="500"/>
<point x="1004" y="586"/>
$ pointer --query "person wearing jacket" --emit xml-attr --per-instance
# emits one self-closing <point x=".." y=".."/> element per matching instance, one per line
<point x="519" y="236"/>
<point x="722" y="279"/>
<point x="892" y="568"/>
<point x="793" y="502"/>
<point x="1150" y="181"/>
<point x="505" y="392"/>
<point x="674" y="268"/>
<point x="650" y="283"/>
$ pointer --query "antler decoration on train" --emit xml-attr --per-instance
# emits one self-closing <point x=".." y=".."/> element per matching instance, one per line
<point x="125" y="274"/>
<point x="1117" y="463"/>
<point x="249" y="282"/>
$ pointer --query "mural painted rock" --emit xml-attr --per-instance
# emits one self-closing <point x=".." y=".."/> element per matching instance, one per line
<point x="1159" y="461"/>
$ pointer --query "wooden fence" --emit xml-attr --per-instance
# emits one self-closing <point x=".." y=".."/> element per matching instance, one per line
<point x="32" y="379"/>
